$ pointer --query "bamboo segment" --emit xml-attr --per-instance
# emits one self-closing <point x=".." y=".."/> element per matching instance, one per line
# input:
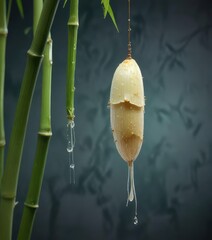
<point x="45" y="118"/>
<point x="73" y="24"/>
<point x="32" y="200"/>
<point x="3" y="39"/>
<point x="37" y="8"/>
<point x="10" y="177"/>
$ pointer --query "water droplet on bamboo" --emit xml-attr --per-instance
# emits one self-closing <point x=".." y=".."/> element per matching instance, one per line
<point x="70" y="149"/>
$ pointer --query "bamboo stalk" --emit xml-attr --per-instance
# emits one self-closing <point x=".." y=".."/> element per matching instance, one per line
<point x="45" y="121"/>
<point x="37" y="9"/>
<point x="44" y="135"/>
<point x="10" y="177"/>
<point x="73" y="24"/>
<point x="31" y="203"/>
<point x="32" y="200"/>
<point x="3" y="39"/>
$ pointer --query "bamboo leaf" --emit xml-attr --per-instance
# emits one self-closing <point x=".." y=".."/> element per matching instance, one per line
<point x="106" y="4"/>
<point x="64" y="4"/>
<point x="9" y="10"/>
<point x="108" y="9"/>
<point x="20" y="7"/>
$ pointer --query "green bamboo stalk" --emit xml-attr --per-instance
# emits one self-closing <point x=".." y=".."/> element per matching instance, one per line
<point x="37" y="9"/>
<point x="11" y="173"/>
<point x="3" y="39"/>
<point x="45" y="121"/>
<point x="44" y="134"/>
<point x="73" y="24"/>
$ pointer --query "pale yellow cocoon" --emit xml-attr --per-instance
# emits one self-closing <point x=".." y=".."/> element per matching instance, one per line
<point x="127" y="109"/>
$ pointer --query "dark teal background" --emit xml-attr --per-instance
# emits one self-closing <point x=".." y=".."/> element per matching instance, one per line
<point x="172" y="43"/>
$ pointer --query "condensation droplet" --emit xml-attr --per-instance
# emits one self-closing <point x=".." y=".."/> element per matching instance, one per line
<point x="70" y="147"/>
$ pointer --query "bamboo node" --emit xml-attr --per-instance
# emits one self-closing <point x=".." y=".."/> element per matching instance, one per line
<point x="74" y="23"/>
<point x="70" y="113"/>
<point x="49" y="40"/>
<point x="45" y="133"/>
<point x="33" y="54"/>
<point x="2" y="143"/>
<point x="31" y="205"/>
<point x="8" y="196"/>
<point x="3" y="31"/>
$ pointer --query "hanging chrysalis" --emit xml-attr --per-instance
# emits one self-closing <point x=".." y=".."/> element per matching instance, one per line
<point x="127" y="114"/>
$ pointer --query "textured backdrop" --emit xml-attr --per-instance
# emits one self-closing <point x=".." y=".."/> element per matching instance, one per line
<point x="172" y="43"/>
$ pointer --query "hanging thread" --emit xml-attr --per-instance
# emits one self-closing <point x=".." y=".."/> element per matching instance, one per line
<point x="129" y="32"/>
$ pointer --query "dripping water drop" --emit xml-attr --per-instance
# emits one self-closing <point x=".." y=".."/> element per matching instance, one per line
<point x="131" y="196"/>
<point x="131" y="183"/>
<point x="70" y="149"/>
<point x="131" y="189"/>
<point x="72" y="166"/>
<point x="135" y="220"/>
<point x="72" y="124"/>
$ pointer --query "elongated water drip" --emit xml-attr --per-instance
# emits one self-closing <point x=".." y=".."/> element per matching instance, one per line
<point x="132" y="187"/>
<point x="131" y="193"/>
<point x="70" y="149"/>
